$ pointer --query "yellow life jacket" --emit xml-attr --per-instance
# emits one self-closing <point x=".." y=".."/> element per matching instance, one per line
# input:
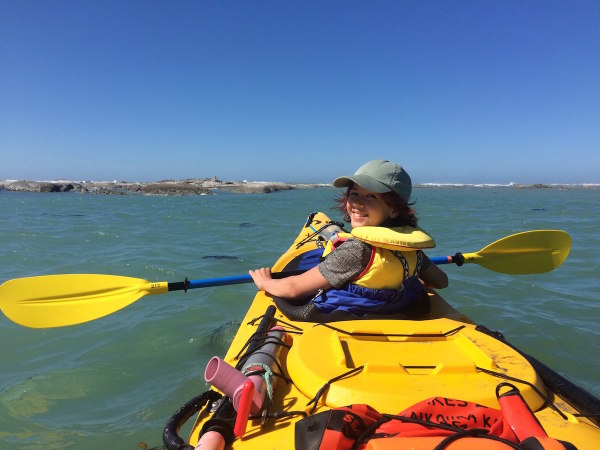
<point x="395" y="256"/>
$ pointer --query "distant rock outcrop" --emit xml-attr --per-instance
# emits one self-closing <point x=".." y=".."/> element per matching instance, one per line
<point x="194" y="186"/>
<point x="38" y="186"/>
<point x="173" y="188"/>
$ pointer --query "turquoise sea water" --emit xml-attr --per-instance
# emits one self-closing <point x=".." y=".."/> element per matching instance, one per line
<point x="114" y="382"/>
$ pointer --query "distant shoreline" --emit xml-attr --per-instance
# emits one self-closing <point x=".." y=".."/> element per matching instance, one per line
<point x="192" y="186"/>
<point x="207" y="186"/>
<point x="514" y="185"/>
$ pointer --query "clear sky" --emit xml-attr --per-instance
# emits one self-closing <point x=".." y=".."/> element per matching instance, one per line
<point x="456" y="91"/>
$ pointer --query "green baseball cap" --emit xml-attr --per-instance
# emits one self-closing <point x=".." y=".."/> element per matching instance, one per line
<point x="379" y="176"/>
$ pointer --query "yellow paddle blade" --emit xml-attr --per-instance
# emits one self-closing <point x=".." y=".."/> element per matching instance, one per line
<point x="59" y="300"/>
<point x="530" y="252"/>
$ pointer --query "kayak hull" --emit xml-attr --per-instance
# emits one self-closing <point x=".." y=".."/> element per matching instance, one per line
<point x="389" y="364"/>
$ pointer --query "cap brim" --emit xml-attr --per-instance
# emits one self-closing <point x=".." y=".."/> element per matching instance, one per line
<point x="364" y="181"/>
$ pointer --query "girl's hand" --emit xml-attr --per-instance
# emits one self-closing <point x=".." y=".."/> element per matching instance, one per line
<point x="261" y="277"/>
<point x="297" y="286"/>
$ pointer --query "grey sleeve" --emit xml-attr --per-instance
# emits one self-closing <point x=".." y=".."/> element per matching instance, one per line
<point x="345" y="263"/>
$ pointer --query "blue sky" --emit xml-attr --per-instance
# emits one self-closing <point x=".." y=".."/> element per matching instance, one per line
<point x="456" y="91"/>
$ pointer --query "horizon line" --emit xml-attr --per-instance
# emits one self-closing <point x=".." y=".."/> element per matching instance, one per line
<point x="421" y="184"/>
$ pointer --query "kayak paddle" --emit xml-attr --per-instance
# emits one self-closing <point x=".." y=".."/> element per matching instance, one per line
<point x="529" y="252"/>
<point x="49" y="301"/>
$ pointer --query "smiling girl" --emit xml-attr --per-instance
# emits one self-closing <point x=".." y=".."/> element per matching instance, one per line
<point x="380" y="268"/>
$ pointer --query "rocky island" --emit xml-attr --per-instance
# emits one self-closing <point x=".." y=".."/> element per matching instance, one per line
<point x="207" y="186"/>
<point x="191" y="186"/>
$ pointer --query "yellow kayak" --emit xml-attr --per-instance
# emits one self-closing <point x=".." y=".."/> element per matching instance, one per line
<point x="434" y="380"/>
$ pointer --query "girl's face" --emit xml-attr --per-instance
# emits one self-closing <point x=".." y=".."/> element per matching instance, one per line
<point x="367" y="208"/>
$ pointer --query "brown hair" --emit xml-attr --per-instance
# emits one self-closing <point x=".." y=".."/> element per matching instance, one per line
<point x="407" y="214"/>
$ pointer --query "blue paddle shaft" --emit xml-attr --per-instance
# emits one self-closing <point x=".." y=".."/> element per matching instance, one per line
<point x="241" y="279"/>
<point x="457" y="259"/>
<point x="221" y="281"/>
<point x="441" y="260"/>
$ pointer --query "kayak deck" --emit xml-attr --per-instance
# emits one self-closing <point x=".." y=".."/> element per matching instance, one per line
<point x="389" y="365"/>
<point x="431" y="358"/>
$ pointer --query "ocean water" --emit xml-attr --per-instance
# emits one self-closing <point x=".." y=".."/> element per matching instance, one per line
<point x="114" y="382"/>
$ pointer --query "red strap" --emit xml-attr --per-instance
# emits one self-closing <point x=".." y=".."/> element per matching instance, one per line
<point x="369" y="264"/>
